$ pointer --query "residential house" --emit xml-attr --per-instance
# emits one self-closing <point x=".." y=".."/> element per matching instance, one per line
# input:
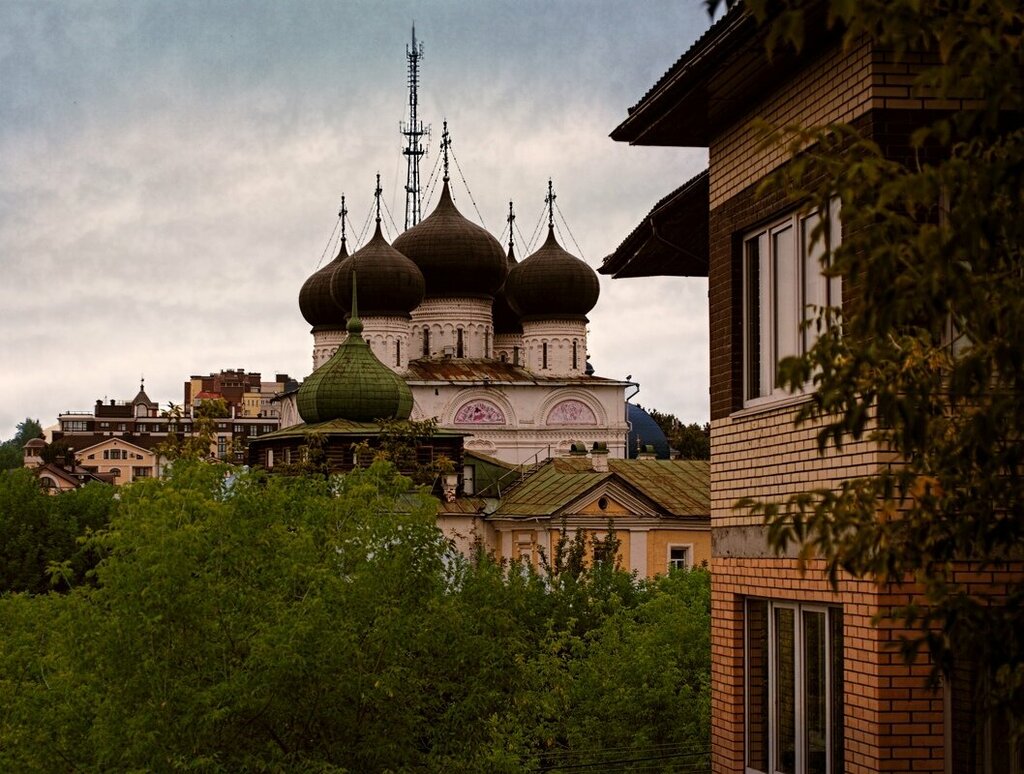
<point x="803" y="680"/>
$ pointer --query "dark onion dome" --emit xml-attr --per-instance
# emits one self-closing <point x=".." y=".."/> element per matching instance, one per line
<point x="551" y="283"/>
<point x="354" y="385"/>
<point x="458" y="258"/>
<point x="644" y="431"/>
<point x="316" y="302"/>
<point x="505" y="319"/>
<point x="389" y="283"/>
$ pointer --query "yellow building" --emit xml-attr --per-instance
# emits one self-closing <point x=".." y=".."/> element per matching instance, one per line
<point x="658" y="509"/>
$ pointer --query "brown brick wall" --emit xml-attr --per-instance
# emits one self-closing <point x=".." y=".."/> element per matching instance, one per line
<point x="893" y="721"/>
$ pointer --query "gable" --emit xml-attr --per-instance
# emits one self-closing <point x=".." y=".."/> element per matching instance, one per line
<point x="611" y="499"/>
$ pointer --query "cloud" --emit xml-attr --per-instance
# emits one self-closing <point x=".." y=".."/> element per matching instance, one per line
<point x="170" y="174"/>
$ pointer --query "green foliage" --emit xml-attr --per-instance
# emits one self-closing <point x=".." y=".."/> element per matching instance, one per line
<point x="928" y="362"/>
<point x="200" y="443"/>
<point x="12" y="453"/>
<point x="306" y="623"/>
<point x="41" y="535"/>
<point x="692" y="441"/>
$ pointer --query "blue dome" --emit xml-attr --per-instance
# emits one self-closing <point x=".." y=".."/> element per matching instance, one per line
<point x="644" y="431"/>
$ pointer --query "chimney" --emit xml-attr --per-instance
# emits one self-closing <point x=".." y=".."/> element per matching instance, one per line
<point x="599" y="457"/>
<point x="578" y="450"/>
<point x="646" y="452"/>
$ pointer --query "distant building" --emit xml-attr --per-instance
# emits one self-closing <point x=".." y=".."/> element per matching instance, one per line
<point x="244" y="392"/>
<point x="137" y="427"/>
<point x="659" y="511"/>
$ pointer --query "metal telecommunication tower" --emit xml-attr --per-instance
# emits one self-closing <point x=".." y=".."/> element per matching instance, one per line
<point x="413" y="132"/>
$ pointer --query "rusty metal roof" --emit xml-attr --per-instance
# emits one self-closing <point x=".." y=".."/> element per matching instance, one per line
<point x="341" y="427"/>
<point x="480" y="370"/>
<point x="681" y="487"/>
<point x="676" y="487"/>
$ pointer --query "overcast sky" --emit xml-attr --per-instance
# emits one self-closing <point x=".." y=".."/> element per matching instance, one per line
<point x="170" y="174"/>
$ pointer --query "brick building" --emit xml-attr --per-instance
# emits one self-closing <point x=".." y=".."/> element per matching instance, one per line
<point x="802" y="679"/>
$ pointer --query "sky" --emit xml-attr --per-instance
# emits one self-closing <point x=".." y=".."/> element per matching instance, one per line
<point x="170" y="174"/>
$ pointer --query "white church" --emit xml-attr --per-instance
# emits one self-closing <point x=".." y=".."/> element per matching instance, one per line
<point x="490" y="347"/>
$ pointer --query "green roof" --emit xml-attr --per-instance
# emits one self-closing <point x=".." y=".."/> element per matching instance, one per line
<point x="676" y="487"/>
<point x="343" y="427"/>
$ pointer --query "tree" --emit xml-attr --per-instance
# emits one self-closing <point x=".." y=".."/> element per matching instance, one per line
<point x="927" y="357"/>
<point x="42" y="535"/>
<point x="12" y="453"/>
<point x="312" y="623"/>
<point x="692" y="441"/>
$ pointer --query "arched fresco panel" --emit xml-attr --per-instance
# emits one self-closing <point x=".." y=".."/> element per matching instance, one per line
<point x="571" y="412"/>
<point x="479" y="412"/>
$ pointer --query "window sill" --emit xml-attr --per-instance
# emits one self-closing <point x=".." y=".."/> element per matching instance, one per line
<point x="771" y="403"/>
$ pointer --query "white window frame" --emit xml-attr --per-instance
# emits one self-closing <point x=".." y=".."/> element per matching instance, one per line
<point x="689" y="555"/>
<point x="784" y="310"/>
<point x="798" y="608"/>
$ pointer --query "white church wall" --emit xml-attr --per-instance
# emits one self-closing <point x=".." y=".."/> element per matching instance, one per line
<point x="444" y="318"/>
<point x="556" y="347"/>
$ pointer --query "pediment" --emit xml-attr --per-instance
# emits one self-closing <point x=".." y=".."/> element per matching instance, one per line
<point x="613" y="500"/>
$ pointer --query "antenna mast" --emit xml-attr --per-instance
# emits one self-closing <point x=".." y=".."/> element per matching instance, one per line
<point x="413" y="132"/>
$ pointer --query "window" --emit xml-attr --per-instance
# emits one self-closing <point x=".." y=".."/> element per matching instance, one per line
<point x="222" y="446"/>
<point x="679" y="558"/>
<point x="793" y="688"/>
<point x="574" y="355"/>
<point x="459" y="351"/>
<point x="142" y="472"/>
<point x="544" y="355"/>
<point x="75" y="426"/>
<point x="115" y="472"/>
<point x="106" y="454"/>
<point x="515" y="355"/>
<point x="978" y="741"/>
<point x="398" y="352"/>
<point x="487" y="343"/>
<point x="783" y="285"/>
<point x="426" y="342"/>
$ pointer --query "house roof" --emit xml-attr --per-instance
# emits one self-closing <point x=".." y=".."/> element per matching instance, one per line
<point x="83" y="442"/>
<point x="343" y="427"/>
<point x="481" y="370"/>
<point x="717" y="79"/>
<point x="677" y="487"/>
<point x="671" y="241"/>
<point x="78" y="476"/>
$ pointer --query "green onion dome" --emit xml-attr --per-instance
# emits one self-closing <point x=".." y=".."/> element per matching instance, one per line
<point x="389" y="283"/>
<point x="316" y="302"/>
<point x="354" y="384"/>
<point x="506" y="320"/>
<point x="552" y="283"/>
<point x="458" y="258"/>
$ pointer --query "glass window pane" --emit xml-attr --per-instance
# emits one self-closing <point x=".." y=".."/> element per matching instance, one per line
<point x="785" y="690"/>
<point x="757" y="684"/>
<point x="815" y="288"/>
<point x="835" y="616"/>
<point x="786" y="296"/>
<point x="752" y="301"/>
<point x="815" y="724"/>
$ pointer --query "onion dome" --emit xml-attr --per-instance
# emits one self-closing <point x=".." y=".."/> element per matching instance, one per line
<point x="552" y="283"/>
<point x="457" y="257"/>
<point x="316" y="302"/>
<point x="354" y="385"/>
<point x="389" y="283"/>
